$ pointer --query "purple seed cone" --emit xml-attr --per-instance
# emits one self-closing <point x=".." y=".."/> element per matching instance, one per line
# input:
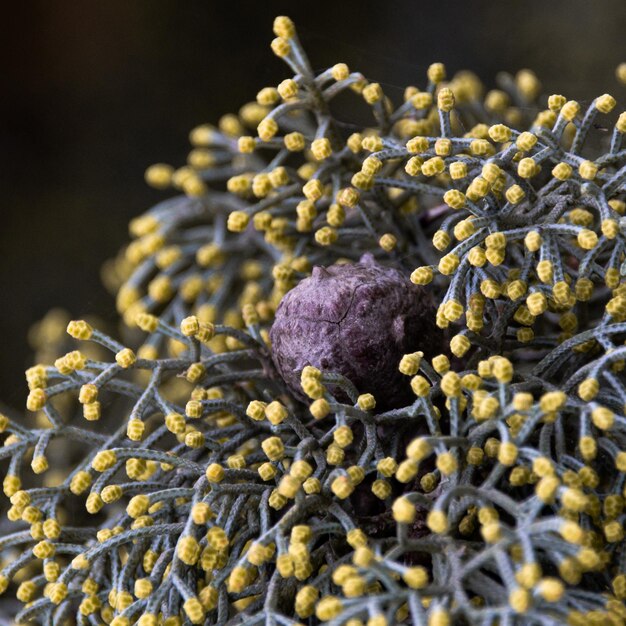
<point x="356" y="320"/>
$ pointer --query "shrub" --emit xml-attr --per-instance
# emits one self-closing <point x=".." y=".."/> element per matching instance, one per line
<point x="204" y="488"/>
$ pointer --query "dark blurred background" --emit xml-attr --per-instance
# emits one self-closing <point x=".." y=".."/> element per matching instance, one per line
<point x="96" y="91"/>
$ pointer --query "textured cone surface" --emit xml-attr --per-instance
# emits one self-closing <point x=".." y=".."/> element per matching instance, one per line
<point x="356" y="320"/>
